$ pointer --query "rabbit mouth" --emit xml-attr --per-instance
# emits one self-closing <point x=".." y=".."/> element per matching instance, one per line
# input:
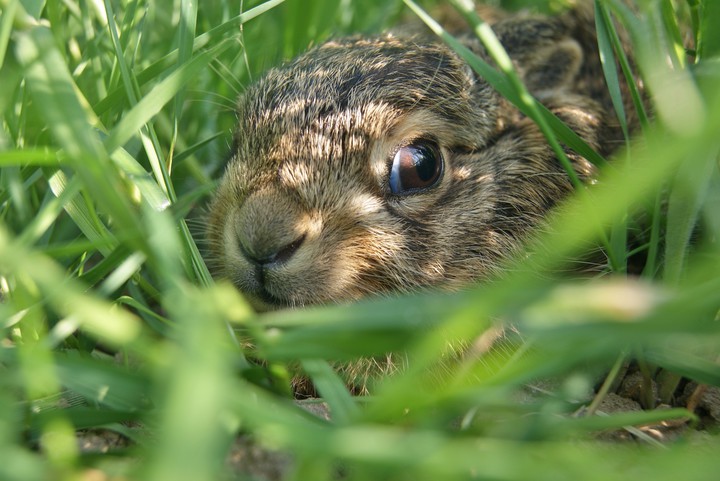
<point x="253" y="281"/>
<point x="267" y="301"/>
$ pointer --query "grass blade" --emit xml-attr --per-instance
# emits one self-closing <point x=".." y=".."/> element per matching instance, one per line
<point x="52" y="86"/>
<point x="332" y="389"/>
<point x="160" y="95"/>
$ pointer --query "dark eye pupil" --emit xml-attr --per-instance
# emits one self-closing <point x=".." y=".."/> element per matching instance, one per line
<point x="415" y="167"/>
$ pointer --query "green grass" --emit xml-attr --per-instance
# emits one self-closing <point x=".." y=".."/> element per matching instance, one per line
<point x="117" y="117"/>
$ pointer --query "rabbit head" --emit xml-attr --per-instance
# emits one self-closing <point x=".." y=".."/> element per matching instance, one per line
<point x="384" y="165"/>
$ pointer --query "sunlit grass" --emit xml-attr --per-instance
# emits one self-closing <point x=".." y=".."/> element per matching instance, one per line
<point x="117" y="117"/>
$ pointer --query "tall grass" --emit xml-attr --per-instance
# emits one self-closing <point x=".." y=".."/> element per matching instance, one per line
<point x="117" y="117"/>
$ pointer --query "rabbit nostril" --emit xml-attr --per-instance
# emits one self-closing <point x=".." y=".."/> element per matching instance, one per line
<point x="284" y="254"/>
<point x="277" y="256"/>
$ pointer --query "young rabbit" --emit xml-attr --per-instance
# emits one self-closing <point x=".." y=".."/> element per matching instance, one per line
<point x="377" y="165"/>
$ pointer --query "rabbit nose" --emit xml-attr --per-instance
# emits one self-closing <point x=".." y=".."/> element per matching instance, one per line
<point x="269" y="228"/>
<point x="266" y="255"/>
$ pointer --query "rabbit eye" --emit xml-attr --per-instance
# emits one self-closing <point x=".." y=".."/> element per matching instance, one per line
<point x="415" y="167"/>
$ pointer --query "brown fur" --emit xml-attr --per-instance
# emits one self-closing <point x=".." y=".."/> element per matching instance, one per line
<point x="307" y="186"/>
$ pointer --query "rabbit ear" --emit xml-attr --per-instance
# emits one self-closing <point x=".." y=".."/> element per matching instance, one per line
<point x="545" y="57"/>
<point x="553" y="67"/>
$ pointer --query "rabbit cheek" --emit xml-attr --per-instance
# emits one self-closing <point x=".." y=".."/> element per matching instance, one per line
<point x="369" y="243"/>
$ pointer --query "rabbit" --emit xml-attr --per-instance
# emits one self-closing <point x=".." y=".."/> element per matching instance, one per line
<point x="385" y="164"/>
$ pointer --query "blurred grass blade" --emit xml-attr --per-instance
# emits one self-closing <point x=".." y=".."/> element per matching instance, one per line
<point x="675" y="95"/>
<point x="36" y="358"/>
<point x="122" y="273"/>
<point x="709" y="39"/>
<point x="89" y="418"/>
<point x="17" y="462"/>
<point x="623" y="419"/>
<point x="142" y="309"/>
<point x="87" y="220"/>
<point x="196" y="425"/>
<point x="39" y="157"/>
<point x="332" y="389"/>
<point x="45" y="218"/>
<point x="689" y="189"/>
<point x="331" y="332"/>
<point x="67" y="297"/>
<point x="684" y="363"/>
<point x="142" y="182"/>
<point x="37" y="364"/>
<point x="6" y="23"/>
<point x="673" y="34"/>
<point x="104" y="383"/>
